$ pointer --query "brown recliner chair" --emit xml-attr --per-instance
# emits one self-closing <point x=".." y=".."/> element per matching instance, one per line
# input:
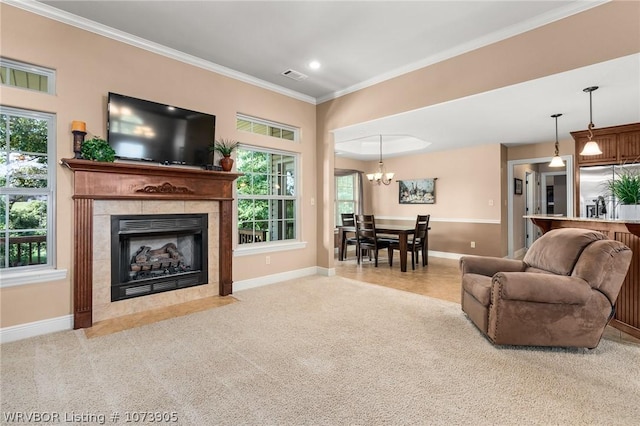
<point x="561" y="294"/>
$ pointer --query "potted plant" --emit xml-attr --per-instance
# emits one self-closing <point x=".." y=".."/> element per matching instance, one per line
<point x="225" y="147"/>
<point x="626" y="189"/>
<point x="97" y="149"/>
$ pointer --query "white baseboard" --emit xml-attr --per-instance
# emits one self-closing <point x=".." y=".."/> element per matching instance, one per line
<point x="445" y="254"/>
<point x="325" y="272"/>
<point x="275" y="278"/>
<point x="37" y="328"/>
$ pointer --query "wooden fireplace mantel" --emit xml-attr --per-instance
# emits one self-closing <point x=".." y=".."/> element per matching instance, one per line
<point x="124" y="181"/>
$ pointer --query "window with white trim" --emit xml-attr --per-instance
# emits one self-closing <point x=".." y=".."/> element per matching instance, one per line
<point x="266" y="128"/>
<point x="268" y="199"/>
<point x="27" y="76"/>
<point x="27" y="182"/>
<point x="346" y="195"/>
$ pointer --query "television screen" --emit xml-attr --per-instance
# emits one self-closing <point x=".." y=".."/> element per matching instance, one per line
<point x="149" y="131"/>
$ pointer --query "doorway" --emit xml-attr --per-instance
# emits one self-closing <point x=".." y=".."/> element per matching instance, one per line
<point x="532" y="206"/>
<point x="515" y="203"/>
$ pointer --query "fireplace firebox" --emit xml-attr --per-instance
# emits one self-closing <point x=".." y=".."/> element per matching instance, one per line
<point x="156" y="253"/>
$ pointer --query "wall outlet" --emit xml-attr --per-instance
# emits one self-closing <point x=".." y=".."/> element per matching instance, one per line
<point x="473" y="244"/>
<point x="267" y="260"/>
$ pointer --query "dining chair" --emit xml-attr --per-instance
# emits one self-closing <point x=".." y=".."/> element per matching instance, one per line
<point x="417" y="244"/>
<point x="348" y="219"/>
<point x="367" y="238"/>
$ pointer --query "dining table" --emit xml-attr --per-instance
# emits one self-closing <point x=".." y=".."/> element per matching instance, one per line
<point x="402" y="231"/>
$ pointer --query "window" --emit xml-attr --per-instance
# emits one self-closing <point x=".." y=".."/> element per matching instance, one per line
<point x="27" y="158"/>
<point x="266" y="128"/>
<point x="347" y="193"/>
<point x="267" y="196"/>
<point x="27" y="76"/>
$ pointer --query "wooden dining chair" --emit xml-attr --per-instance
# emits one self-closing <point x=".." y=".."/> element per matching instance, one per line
<point x="348" y="219"/>
<point x="417" y="244"/>
<point x="367" y="238"/>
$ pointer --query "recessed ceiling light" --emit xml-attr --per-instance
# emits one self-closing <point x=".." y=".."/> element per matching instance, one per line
<point x="314" y="65"/>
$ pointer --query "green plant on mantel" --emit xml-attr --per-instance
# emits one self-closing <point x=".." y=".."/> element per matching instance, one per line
<point x="224" y="147"/>
<point x="626" y="187"/>
<point x="97" y="149"/>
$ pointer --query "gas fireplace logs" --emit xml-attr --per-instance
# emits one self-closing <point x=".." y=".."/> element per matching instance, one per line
<point x="163" y="258"/>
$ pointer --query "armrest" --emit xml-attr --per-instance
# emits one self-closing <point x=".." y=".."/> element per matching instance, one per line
<point x="489" y="266"/>
<point x="541" y="288"/>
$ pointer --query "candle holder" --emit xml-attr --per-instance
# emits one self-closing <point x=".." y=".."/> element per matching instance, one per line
<point x="79" y="130"/>
<point x="78" y="140"/>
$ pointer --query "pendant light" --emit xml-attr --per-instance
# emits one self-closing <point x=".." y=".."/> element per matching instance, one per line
<point x="556" y="161"/>
<point x="591" y="147"/>
<point x="381" y="176"/>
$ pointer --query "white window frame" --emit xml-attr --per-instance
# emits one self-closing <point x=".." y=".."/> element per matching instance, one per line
<point x="259" y="121"/>
<point x="280" y="245"/>
<point x="354" y="196"/>
<point x="34" y="69"/>
<point x="45" y="272"/>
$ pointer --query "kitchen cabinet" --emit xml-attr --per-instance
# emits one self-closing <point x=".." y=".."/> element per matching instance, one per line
<point x="618" y="144"/>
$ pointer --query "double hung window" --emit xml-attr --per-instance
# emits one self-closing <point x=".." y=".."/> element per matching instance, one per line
<point x="27" y="158"/>
<point x="348" y="193"/>
<point x="267" y="195"/>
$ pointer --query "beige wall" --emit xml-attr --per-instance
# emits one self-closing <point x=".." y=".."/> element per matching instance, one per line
<point x="89" y="66"/>
<point x="551" y="49"/>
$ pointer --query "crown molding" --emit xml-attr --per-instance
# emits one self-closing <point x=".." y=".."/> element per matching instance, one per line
<point x="503" y="34"/>
<point x="121" y="36"/>
<point x="103" y="30"/>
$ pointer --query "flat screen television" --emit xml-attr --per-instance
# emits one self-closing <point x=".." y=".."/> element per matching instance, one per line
<point x="148" y="131"/>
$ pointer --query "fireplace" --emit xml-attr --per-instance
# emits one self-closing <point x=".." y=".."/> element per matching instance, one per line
<point x="105" y="189"/>
<point x="155" y="253"/>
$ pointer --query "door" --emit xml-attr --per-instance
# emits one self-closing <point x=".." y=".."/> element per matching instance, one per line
<point x="531" y="207"/>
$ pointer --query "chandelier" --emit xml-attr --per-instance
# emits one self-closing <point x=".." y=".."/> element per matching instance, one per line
<point x="380" y="176"/>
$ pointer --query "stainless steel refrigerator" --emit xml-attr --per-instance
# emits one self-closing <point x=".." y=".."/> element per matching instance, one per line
<point x="596" y="200"/>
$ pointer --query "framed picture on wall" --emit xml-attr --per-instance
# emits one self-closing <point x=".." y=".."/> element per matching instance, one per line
<point x="517" y="186"/>
<point x="417" y="191"/>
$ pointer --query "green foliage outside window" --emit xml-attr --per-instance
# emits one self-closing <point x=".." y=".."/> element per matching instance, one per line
<point x="24" y="194"/>
<point x="266" y="196"/>
<point x="23" y="161"/>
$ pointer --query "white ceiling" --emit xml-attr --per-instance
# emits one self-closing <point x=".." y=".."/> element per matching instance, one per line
<point x="360" y="43"/>
<point x="518" y="114"/>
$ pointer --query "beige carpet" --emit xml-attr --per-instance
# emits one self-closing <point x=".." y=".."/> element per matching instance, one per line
<point x="321" y="351"/>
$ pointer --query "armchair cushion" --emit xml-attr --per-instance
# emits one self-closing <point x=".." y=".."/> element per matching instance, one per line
<point x="560" y="250"/>
<point x="478" y="286"/>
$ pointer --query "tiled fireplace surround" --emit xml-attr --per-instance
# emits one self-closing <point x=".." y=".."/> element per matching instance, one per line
<point x="105" y="189"/>
<point x="103" y="308"/>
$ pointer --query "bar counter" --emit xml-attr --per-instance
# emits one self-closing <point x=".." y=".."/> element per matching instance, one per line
<point x="627" y="317"/>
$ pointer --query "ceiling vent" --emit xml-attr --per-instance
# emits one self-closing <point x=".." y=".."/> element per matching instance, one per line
<point x="295" y="75"/>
